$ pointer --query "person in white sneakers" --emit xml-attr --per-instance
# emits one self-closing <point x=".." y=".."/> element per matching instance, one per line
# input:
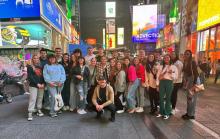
<point x="36" y="87"/>
<point x="177" y="82"/>
<point x="167" y="73"/>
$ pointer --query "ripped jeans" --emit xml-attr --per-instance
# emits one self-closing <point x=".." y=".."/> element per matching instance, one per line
<point x="82" y="89"/>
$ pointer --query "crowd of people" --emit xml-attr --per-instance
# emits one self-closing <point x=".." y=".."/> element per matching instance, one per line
<point x="118" y="84"/>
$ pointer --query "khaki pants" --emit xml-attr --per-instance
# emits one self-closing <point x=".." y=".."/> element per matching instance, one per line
<point x="35" y="99"/>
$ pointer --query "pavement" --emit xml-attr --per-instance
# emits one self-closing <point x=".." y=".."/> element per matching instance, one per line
<point x="14" y="124"/>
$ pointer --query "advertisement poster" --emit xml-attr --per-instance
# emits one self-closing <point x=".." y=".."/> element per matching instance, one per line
<point x="145" y="25"/>
<point x="208" y="13"/>
<point x="25" y="34"/>
<point x="19" y="8"/>
<point x="110" y="41"/>
<point x="110" y="9"/>
<point x="52" y="13"/>
<point x="120" y="36"/>
<point x="110" y="26"/>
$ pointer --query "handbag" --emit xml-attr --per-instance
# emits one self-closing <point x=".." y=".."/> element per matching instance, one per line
<point x="58" y="100"/>
<point x="198" y="87"/>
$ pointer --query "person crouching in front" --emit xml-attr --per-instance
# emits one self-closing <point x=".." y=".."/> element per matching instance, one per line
<point x="103" y="99"/>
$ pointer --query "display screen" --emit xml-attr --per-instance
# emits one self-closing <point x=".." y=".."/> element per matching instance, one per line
<point x="208" y="13"/>
<point x="110" y="9"/>
<point x="16" y="35"/>
<point x="19" y="8"/>
<point x="52" y="13"/>
<point x="110" y="41"/>
<point x="145" y="24"/>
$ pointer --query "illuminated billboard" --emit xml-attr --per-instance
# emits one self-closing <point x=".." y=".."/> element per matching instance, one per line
<point x="16" y="35"/>
<point x="110" y="26"/>
<point x="19" y="8"/>
<point x="144" y="24"/>
<point x="120" y="37"/>
<point x="110" y="9"/>
<point x="208" y="13"/>
<point x="110" y="41"/>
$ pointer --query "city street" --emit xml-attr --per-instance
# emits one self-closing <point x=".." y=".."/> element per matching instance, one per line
<point x="14" y="124"/>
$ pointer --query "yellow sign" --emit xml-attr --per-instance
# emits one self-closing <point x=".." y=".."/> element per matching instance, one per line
<point x="208" y="13"/>
<point x="110" y="41"/>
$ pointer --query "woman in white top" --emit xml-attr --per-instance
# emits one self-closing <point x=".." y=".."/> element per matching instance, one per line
<point x="178" y="81"/>
<point x="167" y="73"/>
<point x="120" y="86"/>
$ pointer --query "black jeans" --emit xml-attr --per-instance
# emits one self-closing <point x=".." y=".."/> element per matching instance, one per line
<point x="66" y="92"/>
<point x="110" y="108"/>
<point x="118" y="102"/>
<point x="174" y="94"/>
<point x="154" y="98"/>
<point x="217" y="75"/>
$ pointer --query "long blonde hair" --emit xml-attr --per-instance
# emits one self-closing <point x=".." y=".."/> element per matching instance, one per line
<point x="32" y="60"/>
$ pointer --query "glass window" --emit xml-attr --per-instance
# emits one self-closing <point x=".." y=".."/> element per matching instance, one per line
<point x="212" y="39"/>
<point x="204" y="40"/>
<point x="218" y="38"/>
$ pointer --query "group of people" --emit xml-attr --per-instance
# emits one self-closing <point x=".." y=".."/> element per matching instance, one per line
<point x="98" y="83"/>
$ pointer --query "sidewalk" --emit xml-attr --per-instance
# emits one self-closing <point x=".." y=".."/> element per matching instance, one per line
<point x="207" y="122"/>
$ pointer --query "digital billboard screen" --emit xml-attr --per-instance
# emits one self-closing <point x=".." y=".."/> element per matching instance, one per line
<point x="16" y="35"/>
<point x="208" y="13"/>
<point x="19" y="8"/>
<point x="144" y="24"/>
<point x="110" y="9"/>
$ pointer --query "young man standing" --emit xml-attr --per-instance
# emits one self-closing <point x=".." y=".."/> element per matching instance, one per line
<point x="89" y="56"/>
<point x="43" y="57"/>
<point x="58" y="54"/>
<point x="103" y="99"/>
<point x="100" y="54"/>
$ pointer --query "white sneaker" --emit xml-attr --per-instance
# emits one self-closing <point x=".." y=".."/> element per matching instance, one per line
<point x="173" y="111"/>
<point x="30" y="116"/>
<point x="84" y="111"/>
<point x="40" y="113"/>
<point x="166" y="117"/>
<point x="64" y="108"/>
<point x="120" y="111"/>
<point x="159" y="115"/>
<point x="26" y="93"/>
<point x="79" y="111"/>
<point x="139" y="110"/>
<point x="67" y="108"/>
<point x="71" y="110"/>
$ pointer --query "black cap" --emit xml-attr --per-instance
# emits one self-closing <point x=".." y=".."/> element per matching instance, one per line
<point x="100" y="78"/>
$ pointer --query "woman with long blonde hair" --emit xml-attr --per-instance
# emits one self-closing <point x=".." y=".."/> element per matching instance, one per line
<point x="36" y="87"/>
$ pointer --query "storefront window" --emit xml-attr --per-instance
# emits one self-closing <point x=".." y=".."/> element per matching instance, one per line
<point x="203" y="44"/>
<point x="218" y="38"/>
<point x="212" y="39"/>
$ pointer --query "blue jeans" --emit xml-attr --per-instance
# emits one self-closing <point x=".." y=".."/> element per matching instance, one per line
<point x="191" y="100"/>
<point x="53" y="91"/>
<point x="131" y="93"/>
<point x="82" y="89"/>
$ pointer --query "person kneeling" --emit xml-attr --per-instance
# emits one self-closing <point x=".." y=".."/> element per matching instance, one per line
<point x="103" y="99"/>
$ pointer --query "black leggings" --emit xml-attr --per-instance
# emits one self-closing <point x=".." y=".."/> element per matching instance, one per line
<point x="174" y="94"/>
<point x="118" y="102"/>
<point x="66" y="92"/>
<point x="154" y="98"/>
